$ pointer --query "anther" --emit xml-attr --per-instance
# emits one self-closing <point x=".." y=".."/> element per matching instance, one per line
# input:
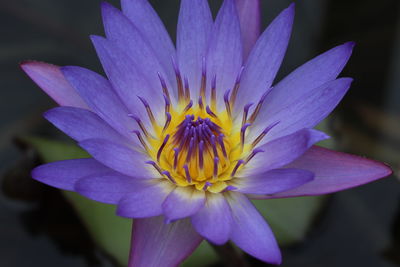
<point x="252" y="154"/>
<point x="261" y="136"/>
<point x="140" y="123"/>
<point x="227" y="104"/>
<point x="201" y="155"/>
<point x="229" y="188"/>
<point x="167" y="103"/>
<point x="187" y="89"/>
<point x="246" y="112"/>
<point x="222" y="145"/>
<point x="214" y="93"/>
<point x="259" y="105"/>
<point x="168" y="175"/>
<point x="178" y="81"/>
<point x="162" y="147"/>
<point x="243" y="133"/>
<point x="189" y="106"/>
<point x="167" y="121"/>
<point x="216" y="162"/>
<point x="164" y="86"/>
<point x="141" y="140"/>
<point x="148" y="109"/>
<point x="236" y="87"/>
<point x="240" y="162"/>
<point x="210" y="112"/>
<point x="203" y="79"/>
<point x="176" y="150"/>
<point x="155" y="166"/>
<point x="214" y="146"/>
<point x="201" y="105"/>
<point x="189" y="153"/>
<point x="188" y="177"/>
<point x="206" y="186"/>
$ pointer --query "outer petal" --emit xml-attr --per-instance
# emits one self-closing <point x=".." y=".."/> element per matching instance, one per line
<point x="313" y="74"/>
<point x="224" y="58"/>
<point x="52" y="81"/>
<point x="194" y="28"/>
<point x="109" y="188"/>
<point x="126" y="79"/>
<point x="98" y="93"/>
<point x="306" y="111"/>
<point x="273" y="181"/>
<point x="250" y="232"/>
<point x="139" y="58"/>
<point x="214" y="220"/>
<point x="146" y="202"/>
<point x="118" y="157"/>
<point x="265" y="59"/>
<point x="151" y="27"/>
<point x="155" y="243"/>
<point x="334" y="171"/>
<point x="64" y="174"/>
<point x="250" y="23"/>
<point x="281" y="151"/>
<point x="82" y="124"/>
<point x="183" y="202"/>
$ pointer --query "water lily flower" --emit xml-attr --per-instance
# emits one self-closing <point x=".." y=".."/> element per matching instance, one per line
<point x="181" y="138"/>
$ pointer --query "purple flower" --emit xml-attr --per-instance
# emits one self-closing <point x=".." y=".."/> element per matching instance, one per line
<point x="182" y="138"/>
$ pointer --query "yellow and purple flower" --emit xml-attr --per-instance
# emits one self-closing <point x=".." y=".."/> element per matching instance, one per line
<point x="182" y="138"/>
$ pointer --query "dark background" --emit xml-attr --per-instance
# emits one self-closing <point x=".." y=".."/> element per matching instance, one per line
<point x="360" y="227"/>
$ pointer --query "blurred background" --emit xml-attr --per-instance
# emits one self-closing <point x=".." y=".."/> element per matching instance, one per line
<point x="40" y="226"/>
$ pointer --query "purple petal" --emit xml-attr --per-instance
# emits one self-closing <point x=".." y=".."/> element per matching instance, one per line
<point x="313" y="74"/>
<point x="155" y="243"/>
<point x="250" y="232"/>
<point x="99" y="95"/>
<point x="126" y="79"/>
<point x="146" y="202"/>
<point x="225" y="51"/>
<point x="52" y="81"/>
<point x="265" y="59"/>
<point x="250" y="23"/>
<point x="194" y="28"/>
<point x="281" y="151"/>
<point x="183" y="202"/>
<point x="109" y="188"/>
<point x="64" y="174"/>
<point x="118" y="157"/>
<point x="133" y="62"/>
<point x="274" y="181"/>
<point x="81" y="124"/>
<point x="214" y="220"/>
<point x="308" y="110"/>
<point x="334" y="171"/>
<point x="151" y="27"/>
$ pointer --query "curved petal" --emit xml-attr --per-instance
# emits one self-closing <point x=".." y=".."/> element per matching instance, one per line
<point x="194" y="28"/>
<point x="126" y="78"/>
<point x="81" y="124"/>
<point x="265" y="59"/>
<point x="274" y="181"/>
<point x="118" y="157"/>
<point x="99" y="95"/>
<point x="155" y="243"/>
<point x="214" y="220"/>
<point x="146" y="202"/>
<point x="52" y="81"/>
<point x="313" y="74"/>
<point x="308" y="110"/>
<point x="64" y="174"/>
<point x="334" y="171"/>
<point x="183" y="202"/>
<point x="250" y="232"/>
<point x="281" y="151"/>
<point x="136" y="59"/>
<point x="224" y="57"/>
<point x="250" y="23"/>
<point x="108" y="188"/>
<point x="151" y="27"/>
